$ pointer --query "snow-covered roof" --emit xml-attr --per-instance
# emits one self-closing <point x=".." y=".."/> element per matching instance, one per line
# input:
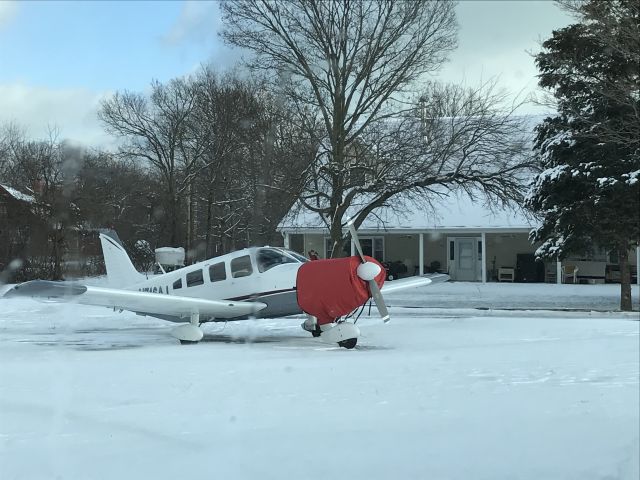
<point x="453" y="213"/>
<point x="23" y="197"/>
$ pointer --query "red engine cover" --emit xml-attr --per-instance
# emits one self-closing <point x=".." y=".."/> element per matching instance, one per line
<point x="329" y="289"/>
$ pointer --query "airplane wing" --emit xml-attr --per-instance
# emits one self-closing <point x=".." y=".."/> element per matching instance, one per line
<point x="139" y="302"/>
<point x="413" y="282"/>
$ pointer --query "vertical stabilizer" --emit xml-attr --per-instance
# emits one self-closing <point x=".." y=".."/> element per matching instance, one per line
<point x="120" y="271"/>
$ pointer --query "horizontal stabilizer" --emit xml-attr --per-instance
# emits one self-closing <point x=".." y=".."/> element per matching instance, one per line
<point x="46" y="289"/>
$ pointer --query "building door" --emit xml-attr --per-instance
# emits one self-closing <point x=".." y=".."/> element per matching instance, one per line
<point x="466" y="260"/>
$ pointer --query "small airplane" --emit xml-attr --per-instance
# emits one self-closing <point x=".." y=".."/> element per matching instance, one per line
<point x="256" y="282"/>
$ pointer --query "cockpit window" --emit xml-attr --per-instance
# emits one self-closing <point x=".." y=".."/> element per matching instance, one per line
<point x="271" y="257"/>
<point x="296" y="255"/>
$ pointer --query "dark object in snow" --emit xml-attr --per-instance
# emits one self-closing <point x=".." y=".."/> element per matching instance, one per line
<point x="394" y="269"/>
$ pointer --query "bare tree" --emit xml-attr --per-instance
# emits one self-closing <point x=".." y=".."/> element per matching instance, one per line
<point x="356" y="63"/>
<point x="224" y="117"/>
<point x="47" y="168"/>
<point x="453" y="139"/>
<point x="213" y="141"/>
<point x="155" y="129"/>
<point x="120" y="194"/>
<point x="251" y="163"/>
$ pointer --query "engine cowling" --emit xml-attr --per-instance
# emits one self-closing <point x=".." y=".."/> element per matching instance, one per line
<point x="329" y="289"/>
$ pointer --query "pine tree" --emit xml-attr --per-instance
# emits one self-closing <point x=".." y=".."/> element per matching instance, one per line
<point x="589" y="189"/>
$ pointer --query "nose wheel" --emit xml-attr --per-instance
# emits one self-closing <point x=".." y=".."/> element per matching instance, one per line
<point x="345" y="334"/>
<point x="348" y="344"/>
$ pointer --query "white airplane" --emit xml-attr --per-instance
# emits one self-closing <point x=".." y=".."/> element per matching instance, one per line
<point x="259" y="282"/>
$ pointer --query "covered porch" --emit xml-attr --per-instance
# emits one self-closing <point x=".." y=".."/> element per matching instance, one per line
<point x="478" y="255"/>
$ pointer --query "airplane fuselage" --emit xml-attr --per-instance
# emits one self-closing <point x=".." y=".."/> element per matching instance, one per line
<point x="264" y="274"/>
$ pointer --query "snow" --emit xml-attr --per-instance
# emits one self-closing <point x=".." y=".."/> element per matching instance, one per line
<point x="23" y="197"/>
<point x="456" y="211"/>
<point x="605" y="181"/>
<point x="444" y="391"/>
<point x="632" y="178"/>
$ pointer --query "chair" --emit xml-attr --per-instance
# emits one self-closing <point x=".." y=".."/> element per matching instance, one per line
<point x="550" y="275"/>
<point x="506" y="274"/>
<point x="569" y="272"/>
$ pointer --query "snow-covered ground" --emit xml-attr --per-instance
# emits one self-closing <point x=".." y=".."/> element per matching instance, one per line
<point x="439" y="393"/>
<point x="533" y="296"/>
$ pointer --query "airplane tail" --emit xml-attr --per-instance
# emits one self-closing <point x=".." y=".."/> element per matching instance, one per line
<point x="120" y="270"/>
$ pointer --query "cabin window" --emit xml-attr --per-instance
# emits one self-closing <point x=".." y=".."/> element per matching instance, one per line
<point x="217" y="272"/>
<point x="177" y="284"/>
<point x="195" y="278"/>
<point x="241" y="266"/>
<point x="270" y="257"/>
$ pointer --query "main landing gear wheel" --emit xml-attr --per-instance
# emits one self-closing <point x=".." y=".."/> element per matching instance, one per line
<point x="189" y="333"/>
<point x="348" y="344"/>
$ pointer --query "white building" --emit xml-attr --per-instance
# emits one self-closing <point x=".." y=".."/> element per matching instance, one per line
<point x="461" y="237"/>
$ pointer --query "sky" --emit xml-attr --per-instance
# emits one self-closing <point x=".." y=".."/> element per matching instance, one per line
<point x="59" y="59"/>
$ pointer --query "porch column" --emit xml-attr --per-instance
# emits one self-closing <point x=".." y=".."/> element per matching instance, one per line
<point x="484" y="257"/>
<point x="638" y="264"/>
<point x="286" y="240"/>
<point x="421" y="254"/>
<point x="558" y="271"/>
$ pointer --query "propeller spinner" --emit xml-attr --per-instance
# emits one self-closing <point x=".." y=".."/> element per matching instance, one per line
<point x="367" y="271"/>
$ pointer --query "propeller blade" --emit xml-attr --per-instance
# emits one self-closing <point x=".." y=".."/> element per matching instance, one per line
<point x="356" y="240"/>
<point x="373" y="286"/>
<point x="377" y="296"/>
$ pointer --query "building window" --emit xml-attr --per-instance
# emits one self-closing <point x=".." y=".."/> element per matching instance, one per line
<point x="177" y="284"/>
<point x="241" y="267"/>
<point x="217" y="272"/>
<point x="296" y="242"/>
<point x="195" y="278"/>
<point x="328" y="248"/>
<point x="371" y="246"/>
<point x="378" y="249"/>
<point x="452" y="249"/>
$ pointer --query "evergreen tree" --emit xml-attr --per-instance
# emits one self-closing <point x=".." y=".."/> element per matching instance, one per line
<point x="588" y="191"/>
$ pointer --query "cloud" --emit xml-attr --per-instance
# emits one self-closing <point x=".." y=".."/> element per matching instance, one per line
<point x="8" y="10"/>
<point x="73" y="111"/>
<point x="196" y="30"/>
<point x="198" y="22"/>
<point x="495" y="43"/>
